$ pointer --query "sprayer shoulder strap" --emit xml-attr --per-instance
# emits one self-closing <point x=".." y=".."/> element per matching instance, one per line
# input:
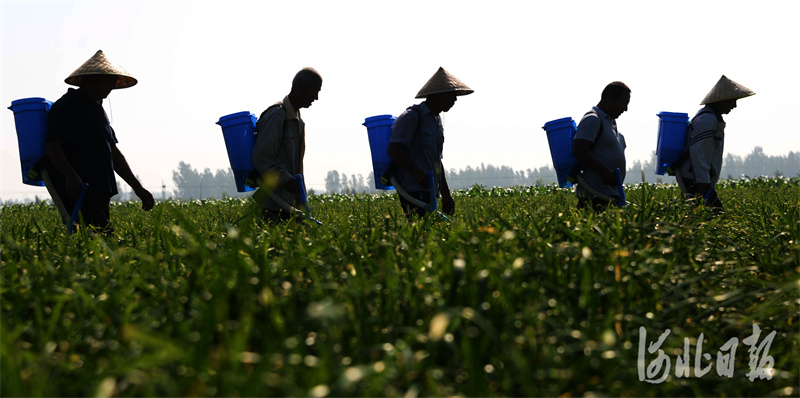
<point x="263" y="114"/>
<point x="254" y="177"/>
<point x="385" y="178"/>
<point x="276" y="105"/>
<point x="578" y="168"/>
<point x="415" y="108"/>
<point x="599" y="131"/>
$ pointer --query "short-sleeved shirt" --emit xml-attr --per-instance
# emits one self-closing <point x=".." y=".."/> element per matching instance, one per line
<point x="280" y="147"/>
<point x="422" y="133"/>
<point x="609" y="150"/>
<point x="82" y="125"/>
<point x="706" y="143"/>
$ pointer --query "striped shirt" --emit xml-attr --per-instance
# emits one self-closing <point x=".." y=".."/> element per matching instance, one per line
<point x="706" y="143"/>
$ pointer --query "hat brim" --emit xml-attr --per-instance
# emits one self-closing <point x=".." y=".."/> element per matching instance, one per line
<point x="733" y="97"/>
<point x="457" y="92"/>
<point x="122" y="81"/>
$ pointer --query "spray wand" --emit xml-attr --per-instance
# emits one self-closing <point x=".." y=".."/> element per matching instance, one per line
<point x="76" y="211"/>
<point x="258" y="196"/>
<point x="429" y="207"/>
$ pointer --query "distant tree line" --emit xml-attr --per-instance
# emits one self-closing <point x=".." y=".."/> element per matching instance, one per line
<point x="756" y="164"/>
<point x="759" y="164"/>
<point x="192" y="184"/>
<point x="336" y="182"/>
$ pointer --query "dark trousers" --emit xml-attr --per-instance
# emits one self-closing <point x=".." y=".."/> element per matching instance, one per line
<point x="596" y="204"/>
<point x="411" y="210"/>
<point x="94" y="210"/>
<point x="272" y="216"/>
<point x="713" y="200"/>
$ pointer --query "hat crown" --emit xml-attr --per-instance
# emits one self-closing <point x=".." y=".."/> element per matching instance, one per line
<point x="443" y="82"/>
<point x="98" y="64"/>
<point x="726" y="89"/>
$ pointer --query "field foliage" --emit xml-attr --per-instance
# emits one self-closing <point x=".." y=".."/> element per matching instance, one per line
<point x="519" y="295"/>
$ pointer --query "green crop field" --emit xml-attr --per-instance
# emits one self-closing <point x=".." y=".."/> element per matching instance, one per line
<point x="519" y="295"/>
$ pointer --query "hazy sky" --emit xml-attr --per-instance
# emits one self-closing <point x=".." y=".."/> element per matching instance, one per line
<point x="528" y="61"/>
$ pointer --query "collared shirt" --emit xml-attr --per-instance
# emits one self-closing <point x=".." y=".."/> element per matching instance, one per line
<point x="422" y="133"/>
<point x="280" y="147"/>
<point x="82" y="125"/>
<point x="706" y="144"/>
<point x="609" y="150"/>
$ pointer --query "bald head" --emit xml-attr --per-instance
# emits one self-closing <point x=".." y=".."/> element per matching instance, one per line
<point x="306" y="86"/>
<point x="307" y="77"/>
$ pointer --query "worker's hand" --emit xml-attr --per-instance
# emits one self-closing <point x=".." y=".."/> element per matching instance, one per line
<point x="421" y="178"/>
<point x="291" y="186"/>
<point x="147" y="198"/>
<point x="73" y="186"/>
<point x="448" y="205"/>
<point x="608" y="176"/>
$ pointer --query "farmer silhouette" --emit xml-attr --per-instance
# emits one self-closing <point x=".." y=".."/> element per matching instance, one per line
<point x="417" y="140"/>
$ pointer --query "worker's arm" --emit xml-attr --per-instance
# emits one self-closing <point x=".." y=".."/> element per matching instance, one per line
<point x="58" y="159"/>
<point x="448" y="204"/>
<point x="124" y="170"/>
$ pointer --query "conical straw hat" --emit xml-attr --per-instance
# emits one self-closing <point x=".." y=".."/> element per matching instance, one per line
<point x="726" y="89"/>
<point x="100" y="65"/>
<point x="443" y="82"/>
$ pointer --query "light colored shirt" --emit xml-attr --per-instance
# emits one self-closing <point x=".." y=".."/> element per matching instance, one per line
<point x="279" y="148"/>
<point x="609" y="150"/>
<point x="422" y="133"/>
<point x="706" y="144"/>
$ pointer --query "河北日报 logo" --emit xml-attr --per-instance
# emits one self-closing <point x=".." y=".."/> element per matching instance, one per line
<point x="656" y="371"/>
